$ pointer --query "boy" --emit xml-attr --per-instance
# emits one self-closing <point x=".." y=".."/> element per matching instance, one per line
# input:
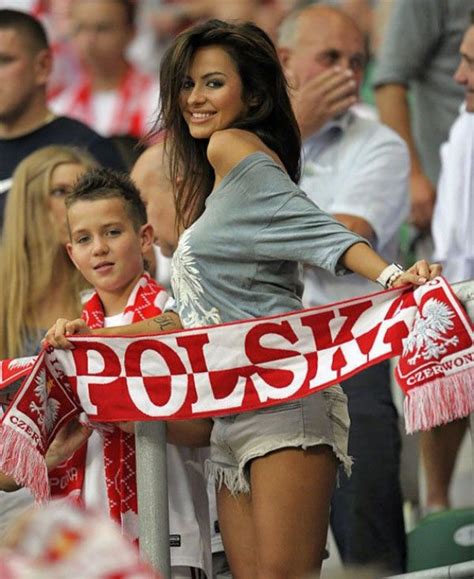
<point x="109" y="235"/>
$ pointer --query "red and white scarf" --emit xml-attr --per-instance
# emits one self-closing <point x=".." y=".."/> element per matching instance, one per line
<point x="146" y="301"/>
<point x="245" y="365"/>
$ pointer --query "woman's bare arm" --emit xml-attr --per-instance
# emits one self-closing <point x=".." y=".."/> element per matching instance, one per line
<point x="361" y="259"/>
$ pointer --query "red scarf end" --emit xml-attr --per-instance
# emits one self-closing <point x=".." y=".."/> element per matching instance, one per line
<point x="438" y="402"/>
<point x="22" y="461"/>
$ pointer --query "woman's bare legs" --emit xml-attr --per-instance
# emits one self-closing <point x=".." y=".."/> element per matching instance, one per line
<point x="237" y="530"/>
<point x="279" y="531"/>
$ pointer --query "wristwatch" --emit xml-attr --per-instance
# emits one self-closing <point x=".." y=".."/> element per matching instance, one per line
<point x="389" y="275"/>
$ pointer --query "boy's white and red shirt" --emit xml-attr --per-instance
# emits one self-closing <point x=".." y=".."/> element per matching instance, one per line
<point x="130" y="109"/>
<point x="189" y="525"/>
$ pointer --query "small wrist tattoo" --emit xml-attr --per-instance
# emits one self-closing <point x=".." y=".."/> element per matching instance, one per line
<point x="165" y="323"/>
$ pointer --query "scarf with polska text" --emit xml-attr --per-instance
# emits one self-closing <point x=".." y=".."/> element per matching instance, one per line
<point x="246" y="365"/>
<point x="67" y="480"/>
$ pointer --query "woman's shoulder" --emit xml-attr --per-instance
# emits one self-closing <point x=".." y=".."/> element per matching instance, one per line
<point x="227" y="148"/>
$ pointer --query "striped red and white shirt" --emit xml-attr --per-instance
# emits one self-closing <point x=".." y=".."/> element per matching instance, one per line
<point x="130" y="109"/>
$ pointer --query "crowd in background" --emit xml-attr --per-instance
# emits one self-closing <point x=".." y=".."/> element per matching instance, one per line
<point x="376" y="89"/>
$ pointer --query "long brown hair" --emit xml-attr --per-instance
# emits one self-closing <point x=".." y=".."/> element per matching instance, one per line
<point x="30" y="245"/>
<point x="270" y="115"/>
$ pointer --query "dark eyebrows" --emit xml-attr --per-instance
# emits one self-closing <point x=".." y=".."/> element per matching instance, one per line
<point x="216" y="72"/>
<point x="102" y="227"/>
<point x="208" y="74"/>
<point x="77" y="231"/>
<point x="112" y="224"/>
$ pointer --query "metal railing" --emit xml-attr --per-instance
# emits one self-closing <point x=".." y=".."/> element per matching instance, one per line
<point x="152" y="482"/>
<point x="456" y="571"/>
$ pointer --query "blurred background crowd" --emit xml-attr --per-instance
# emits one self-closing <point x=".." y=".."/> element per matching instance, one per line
<point x="401" y="64"/>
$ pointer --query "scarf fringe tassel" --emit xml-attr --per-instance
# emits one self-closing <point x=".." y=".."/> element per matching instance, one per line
<point x="442" y="400"/>
<point x="20" y="460"/>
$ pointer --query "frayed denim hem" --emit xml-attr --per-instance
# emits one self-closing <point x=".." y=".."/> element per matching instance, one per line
<point x="236" y="481"/>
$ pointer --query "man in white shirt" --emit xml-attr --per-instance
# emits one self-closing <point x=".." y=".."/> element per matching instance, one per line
<point x="357" y="170"/>
<point x="453" y="235"/>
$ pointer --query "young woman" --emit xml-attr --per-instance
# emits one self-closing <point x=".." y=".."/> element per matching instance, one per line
<point x="234" y="150"/>
<point x="38" y="280"/>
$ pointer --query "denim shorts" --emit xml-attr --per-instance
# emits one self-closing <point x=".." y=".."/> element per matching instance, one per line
<point x="319" y="419"/>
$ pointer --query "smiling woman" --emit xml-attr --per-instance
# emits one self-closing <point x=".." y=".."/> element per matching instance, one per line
<point x="208" y="97"/>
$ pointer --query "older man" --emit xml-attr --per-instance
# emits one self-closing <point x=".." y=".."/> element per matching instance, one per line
<point x="356" y="169"/>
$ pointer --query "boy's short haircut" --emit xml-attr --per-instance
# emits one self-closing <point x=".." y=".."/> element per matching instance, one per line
<point x="104" y="183"/>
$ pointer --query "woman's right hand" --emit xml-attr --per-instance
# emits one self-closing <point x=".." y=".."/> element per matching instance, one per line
<point x="56" y="335"/>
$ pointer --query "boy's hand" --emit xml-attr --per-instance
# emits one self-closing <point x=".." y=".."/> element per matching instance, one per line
<point x="56" y="335"/>
<point x="72" y="436"/>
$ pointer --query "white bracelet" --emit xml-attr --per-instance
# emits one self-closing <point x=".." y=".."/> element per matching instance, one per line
<point x="393" y="278"/>
<point x="388" y="275"/>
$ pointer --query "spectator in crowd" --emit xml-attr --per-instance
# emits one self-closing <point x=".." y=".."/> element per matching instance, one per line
<point x="38" y="280"/>
<point x="171" y="17"/>
<point x="111" y="95"/>
<point x="53" y="15"/>
<point x="357" y="170"/>
<point x="187" y="487"/>
<point x="234" y="141"/>
<point x="26" y="122"/>
<point x="151" y="175"/>
<point x="366" y="14"/>
<point x="418" y="56"/>
<point x="453" y="235"/>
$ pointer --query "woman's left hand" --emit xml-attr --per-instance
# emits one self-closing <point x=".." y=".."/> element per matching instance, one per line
<point x="418" y="274"/>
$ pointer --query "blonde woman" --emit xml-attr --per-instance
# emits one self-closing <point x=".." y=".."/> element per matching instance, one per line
<point x="38" y="282"/>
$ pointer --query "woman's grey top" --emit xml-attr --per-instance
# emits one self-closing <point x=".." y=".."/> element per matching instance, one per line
<point x="241" y="258"/>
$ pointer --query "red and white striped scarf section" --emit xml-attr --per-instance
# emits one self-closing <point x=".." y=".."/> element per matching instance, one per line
<point x="245" y="365"/>
<point x="129" y="115"/>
